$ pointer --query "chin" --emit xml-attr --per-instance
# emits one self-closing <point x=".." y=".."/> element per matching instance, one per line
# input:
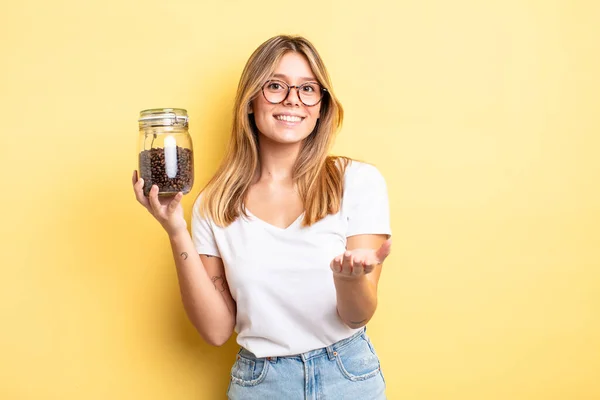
<point x="286" y="137"/>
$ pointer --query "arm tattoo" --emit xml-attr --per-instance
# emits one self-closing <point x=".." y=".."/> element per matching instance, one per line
<point x="219" y="283"/>
<point x="184" y="255"/>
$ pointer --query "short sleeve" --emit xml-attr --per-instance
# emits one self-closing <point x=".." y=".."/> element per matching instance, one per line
<point x="366" y="203"/>
<point x="202" y="233"/>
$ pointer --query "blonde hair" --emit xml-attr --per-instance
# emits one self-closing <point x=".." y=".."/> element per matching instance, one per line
<point x="318" y="176"/>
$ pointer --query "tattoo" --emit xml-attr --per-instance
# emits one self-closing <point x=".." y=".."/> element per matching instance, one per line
<point x="184" y="255"/>
<point x="219" y="283"/>
<point x="358" y="323"/>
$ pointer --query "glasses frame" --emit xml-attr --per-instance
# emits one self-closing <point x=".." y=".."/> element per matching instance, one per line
<point x="289" y="89"/>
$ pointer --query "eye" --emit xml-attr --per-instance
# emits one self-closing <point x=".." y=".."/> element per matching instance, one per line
<point x="310" y="88"/>
<point x="275" y="86"/>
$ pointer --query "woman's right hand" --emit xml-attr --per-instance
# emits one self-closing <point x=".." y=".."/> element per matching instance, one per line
<point x="167" y="210"/>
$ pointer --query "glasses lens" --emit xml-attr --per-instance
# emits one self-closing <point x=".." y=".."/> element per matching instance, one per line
<point x="310" y="93"/>
<point x="275" y="91"/>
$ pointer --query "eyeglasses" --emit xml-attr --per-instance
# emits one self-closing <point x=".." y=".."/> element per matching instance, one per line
<point x="309" y="93"/>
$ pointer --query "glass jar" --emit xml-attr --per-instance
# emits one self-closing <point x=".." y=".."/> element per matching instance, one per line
<point x="165" y="151"/>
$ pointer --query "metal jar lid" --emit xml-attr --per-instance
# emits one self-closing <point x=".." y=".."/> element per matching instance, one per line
<point x="163" y="117"/>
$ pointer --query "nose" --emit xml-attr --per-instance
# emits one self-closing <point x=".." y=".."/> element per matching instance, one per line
<point x="293" y="97"/>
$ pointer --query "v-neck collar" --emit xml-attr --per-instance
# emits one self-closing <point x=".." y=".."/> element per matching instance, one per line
<point x="271" y="226"/>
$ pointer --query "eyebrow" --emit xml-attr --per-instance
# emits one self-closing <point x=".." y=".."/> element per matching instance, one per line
<point x="302" y="78"/>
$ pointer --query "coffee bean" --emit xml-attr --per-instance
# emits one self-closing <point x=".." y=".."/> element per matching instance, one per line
<point x="153" y="171"/>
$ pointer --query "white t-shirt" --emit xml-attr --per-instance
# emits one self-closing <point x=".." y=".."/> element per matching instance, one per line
<point x="281" y="278"/>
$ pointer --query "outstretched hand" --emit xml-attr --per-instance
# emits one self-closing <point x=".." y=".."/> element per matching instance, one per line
<point x="167" y="210"/>
<point x="359" y="262"/>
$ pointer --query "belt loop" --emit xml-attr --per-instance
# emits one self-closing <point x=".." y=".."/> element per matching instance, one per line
<point x="331" y="353"/>
<point x="272" y="359"/>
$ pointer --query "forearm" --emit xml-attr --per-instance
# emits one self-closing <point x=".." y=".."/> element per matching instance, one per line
<point x="356" y="299"/>
<point x="203" y="303"/>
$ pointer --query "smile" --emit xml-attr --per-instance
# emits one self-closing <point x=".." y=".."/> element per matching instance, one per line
<point x="289" y="118"/>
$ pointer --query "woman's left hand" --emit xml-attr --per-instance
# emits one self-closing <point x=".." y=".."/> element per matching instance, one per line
<point x="359" y="262"/>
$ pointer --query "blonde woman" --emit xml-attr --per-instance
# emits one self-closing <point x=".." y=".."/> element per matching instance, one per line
<point x="291" y="240"/>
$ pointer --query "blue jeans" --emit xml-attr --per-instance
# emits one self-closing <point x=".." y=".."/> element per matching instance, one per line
<point x="348" y="369"/>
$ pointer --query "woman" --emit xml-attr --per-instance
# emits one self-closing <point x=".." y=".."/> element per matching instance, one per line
<point x="291" y="241"/>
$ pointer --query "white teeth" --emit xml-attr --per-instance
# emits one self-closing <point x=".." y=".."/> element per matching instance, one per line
<point x="288" y="118"/>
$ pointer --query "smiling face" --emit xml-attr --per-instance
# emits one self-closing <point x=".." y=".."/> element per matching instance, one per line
<point x="289" y="121"/>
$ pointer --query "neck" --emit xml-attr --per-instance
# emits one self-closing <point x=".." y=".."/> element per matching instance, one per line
<point x="277" y="161"/>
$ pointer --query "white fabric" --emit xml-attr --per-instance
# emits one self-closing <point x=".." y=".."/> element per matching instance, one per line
<point x="281" y="278"/>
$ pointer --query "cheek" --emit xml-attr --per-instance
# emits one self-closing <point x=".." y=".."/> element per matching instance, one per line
<point x="316" y="111"/>
<point x="315" y="115"/>
<point x="263" y="121"/>
<point x="260" y="113"/>
<point x="314" y="122"/>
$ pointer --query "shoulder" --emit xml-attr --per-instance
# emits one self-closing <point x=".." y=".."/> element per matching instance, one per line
<point x="199" y="212"/>
<point x="365" y="203"/>
<point x="363" y="182"/>
<point x="360" y="173"/>
<point x="197" y="203"/>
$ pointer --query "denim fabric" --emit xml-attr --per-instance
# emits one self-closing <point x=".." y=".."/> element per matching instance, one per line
<point x="348" y="369"/>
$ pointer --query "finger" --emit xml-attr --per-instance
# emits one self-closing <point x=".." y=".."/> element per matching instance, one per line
<point x="369" y="264"/>
<point x="153" y="198"/>
<point x="357" y="266"/>
<point x="174" y="203"/>
<point x="139" y="193"/>
<point x="336" y="264"/>
<point x="339" y="261"/>
<point x="134" y="177"/>
<point x="368" y="268"/>
<point x="384" y="251"/>
<point x="347" y="263"/>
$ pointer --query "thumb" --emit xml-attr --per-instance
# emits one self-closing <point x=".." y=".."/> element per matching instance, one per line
<point x="174" y="203"/>
<point x="384" y="250"/>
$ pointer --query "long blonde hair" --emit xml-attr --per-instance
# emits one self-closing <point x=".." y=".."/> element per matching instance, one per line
<point x="318" y="176"/>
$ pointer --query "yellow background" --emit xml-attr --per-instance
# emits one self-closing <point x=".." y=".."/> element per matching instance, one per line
<point x="482" y="116"/>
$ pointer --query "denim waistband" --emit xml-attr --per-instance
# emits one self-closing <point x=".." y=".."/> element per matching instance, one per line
<point x="330" y="351"/>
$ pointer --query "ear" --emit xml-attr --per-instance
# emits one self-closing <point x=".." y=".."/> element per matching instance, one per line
<point x="250" y="110"/>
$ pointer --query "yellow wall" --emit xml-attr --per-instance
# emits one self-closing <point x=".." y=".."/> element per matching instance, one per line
<point x="483" y="116"/>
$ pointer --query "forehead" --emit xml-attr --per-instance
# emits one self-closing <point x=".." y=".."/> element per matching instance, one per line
<point x="294" y="65"/>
